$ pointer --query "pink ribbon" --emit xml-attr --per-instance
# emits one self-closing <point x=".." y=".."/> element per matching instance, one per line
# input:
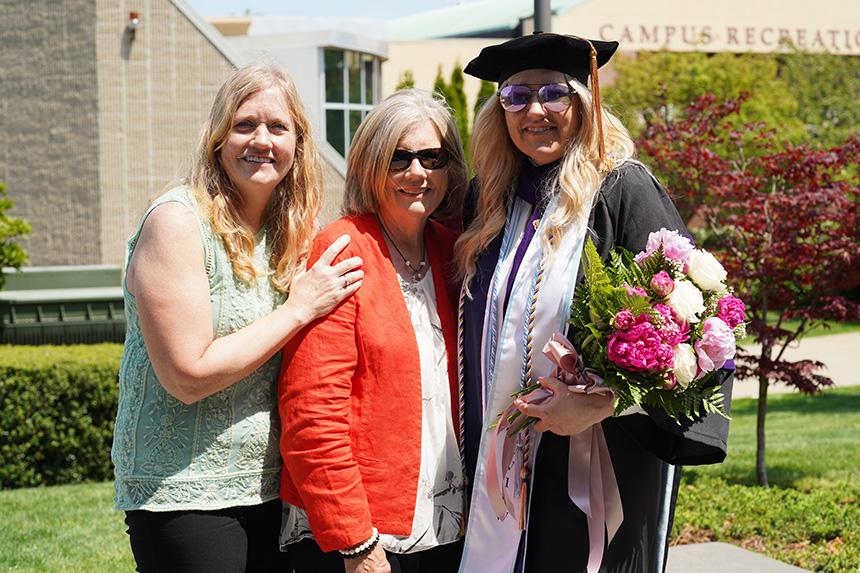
<point x="591" y="483"/>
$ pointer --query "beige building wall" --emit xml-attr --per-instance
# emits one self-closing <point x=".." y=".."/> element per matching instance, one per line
<point x="154" y="92"/>
<point x="49" y="126"/>
<point x="725" y="26"/>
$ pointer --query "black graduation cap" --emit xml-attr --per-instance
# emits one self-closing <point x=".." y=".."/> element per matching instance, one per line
<point x="572" y="55"/>
<point x="567" y="54"/>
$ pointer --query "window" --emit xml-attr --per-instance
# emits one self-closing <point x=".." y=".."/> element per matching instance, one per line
<point x="351" y="89"/>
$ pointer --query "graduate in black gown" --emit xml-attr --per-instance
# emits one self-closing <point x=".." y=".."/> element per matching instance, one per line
<point x="554" y="167"/>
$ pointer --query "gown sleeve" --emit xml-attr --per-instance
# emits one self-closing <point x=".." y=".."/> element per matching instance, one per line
<point x="631" y="205"/>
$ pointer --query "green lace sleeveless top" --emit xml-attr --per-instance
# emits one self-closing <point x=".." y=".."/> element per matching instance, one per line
<point x="221" y="451"/>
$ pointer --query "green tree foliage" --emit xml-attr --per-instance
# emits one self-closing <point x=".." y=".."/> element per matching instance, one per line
<point x="459" y="106"/>
<point x="659" y="85"/>
<point x="440" y="88"/>
<point x="808" y="98"/>
<point x="407" y="80"/>
<point x="11" y="228"/>
<point x="827" y="89"/>
<point x="455" y="97"/>
<point x="485" y="92"/>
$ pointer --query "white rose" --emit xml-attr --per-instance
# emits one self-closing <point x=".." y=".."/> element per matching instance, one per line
<point x="686" y="300"/>
<point x="685" y="365"/>
<point x="706" y="271"/>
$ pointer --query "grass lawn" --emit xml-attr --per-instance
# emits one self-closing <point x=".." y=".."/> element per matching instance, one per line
<point x="835" y="328"/>
<point x="63" y="529"/>
<point x="810" y="517"/>
<point x="820" y="330"/>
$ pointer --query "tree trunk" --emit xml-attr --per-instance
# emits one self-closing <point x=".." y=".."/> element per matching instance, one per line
<point x="760" y="466"/>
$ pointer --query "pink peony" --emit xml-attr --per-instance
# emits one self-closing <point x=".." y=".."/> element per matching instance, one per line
<point x="672" y="332"/>
<point x="732" y="310"/>
<point x="635" y="291"/>
<point x="640" y="348"/>
<point x="676" y="247"/>
<point x="716" y="346"/>
<point x="665" y="311"/>
<point x="662" y="284"/>
<point x="623" y="320"/>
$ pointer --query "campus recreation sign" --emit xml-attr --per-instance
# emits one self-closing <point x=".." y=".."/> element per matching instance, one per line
<point x="729" y="38"/>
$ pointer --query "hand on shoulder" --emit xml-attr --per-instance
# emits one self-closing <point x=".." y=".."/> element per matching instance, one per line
<point x="316" y="291"/>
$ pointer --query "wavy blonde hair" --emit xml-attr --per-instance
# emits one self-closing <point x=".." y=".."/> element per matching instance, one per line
<point x="497" y="164"/>
<point x="295" y="203"/>
<point x="376" y="139"/>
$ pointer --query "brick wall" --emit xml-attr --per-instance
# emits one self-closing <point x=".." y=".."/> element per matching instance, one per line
<point x="154" y="93"/>
<point x="49" y="126"/>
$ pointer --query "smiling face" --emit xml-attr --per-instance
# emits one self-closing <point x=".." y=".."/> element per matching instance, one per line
<point x="416" y="191"/>
<point x="260" y="146"/>
<point x="540" y="134"/>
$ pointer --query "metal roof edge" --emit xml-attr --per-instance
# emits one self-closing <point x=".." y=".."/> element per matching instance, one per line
<point x="355" y="42"/>
<point x="506" y="14"/>
<point x="311" y="39"/>
<point x="208" y="31"/>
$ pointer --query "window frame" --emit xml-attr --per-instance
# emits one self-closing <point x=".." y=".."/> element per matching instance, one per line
<point x="345" y="106"/>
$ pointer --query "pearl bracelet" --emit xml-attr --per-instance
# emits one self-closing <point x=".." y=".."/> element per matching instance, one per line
<point x="363" y="549"/>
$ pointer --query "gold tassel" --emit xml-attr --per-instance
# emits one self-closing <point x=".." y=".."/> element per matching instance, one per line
<point x="464" y="519"/>
<point x="523" y="492"/>
<point x="597" y="110"/>
<point x="524" y="474"/>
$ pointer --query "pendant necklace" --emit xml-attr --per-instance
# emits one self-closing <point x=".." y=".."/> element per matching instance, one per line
<point x="416" y="273"/>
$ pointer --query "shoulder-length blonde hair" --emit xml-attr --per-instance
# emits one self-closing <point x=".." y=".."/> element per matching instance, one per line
<point x="375" y="142"/>
<point x="497" y="164"/>
<point x="295" y="203"/>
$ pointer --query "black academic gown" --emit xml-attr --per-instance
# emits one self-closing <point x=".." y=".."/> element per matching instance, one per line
<point x="644" y="448"/>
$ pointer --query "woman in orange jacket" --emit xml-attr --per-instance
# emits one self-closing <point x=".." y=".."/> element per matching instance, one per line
<point x="368" y="396"/>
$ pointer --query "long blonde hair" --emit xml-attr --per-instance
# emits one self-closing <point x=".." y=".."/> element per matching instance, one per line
<point x="295" y="203"/>
<point x="498" y="162"/>
<point x="375" y="142"/>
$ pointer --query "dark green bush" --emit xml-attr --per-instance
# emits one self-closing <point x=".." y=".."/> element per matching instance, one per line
<point x="57" y="410"/>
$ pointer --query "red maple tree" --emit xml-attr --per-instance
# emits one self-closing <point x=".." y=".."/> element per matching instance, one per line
<point x="782" y="218"/>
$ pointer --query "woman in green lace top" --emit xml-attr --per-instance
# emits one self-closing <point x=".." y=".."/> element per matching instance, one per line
<point x="213" y="290"/>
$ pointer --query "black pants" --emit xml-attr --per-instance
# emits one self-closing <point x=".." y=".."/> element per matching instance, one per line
<point x="308" y="558"/>
<point x="232" y="540"/>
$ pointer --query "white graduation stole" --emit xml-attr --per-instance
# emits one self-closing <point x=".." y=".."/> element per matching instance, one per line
<point x="491" y="544"/>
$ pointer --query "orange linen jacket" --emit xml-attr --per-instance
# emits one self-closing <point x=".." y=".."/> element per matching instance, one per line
<point x="349" y="394"/>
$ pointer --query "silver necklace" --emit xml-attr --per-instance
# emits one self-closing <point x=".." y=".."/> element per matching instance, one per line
<point x="416" y="273"/>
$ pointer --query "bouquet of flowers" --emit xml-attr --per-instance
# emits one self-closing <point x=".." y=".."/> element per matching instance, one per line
<point x="652" y="327"/>
<point x="657" y="326"/>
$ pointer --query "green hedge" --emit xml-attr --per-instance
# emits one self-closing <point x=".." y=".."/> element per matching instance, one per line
<point x="57" y="410"/>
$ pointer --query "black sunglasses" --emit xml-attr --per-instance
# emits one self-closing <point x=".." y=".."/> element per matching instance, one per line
<point x="553" y="97"/>
<point x="435" y="158"/>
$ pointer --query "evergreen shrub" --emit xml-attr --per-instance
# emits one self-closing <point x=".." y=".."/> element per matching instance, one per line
<point x="57" y="410"/>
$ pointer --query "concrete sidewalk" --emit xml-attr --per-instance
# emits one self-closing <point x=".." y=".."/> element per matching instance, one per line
<point x="722" y="558"/>
<point x="838" y="351"/>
